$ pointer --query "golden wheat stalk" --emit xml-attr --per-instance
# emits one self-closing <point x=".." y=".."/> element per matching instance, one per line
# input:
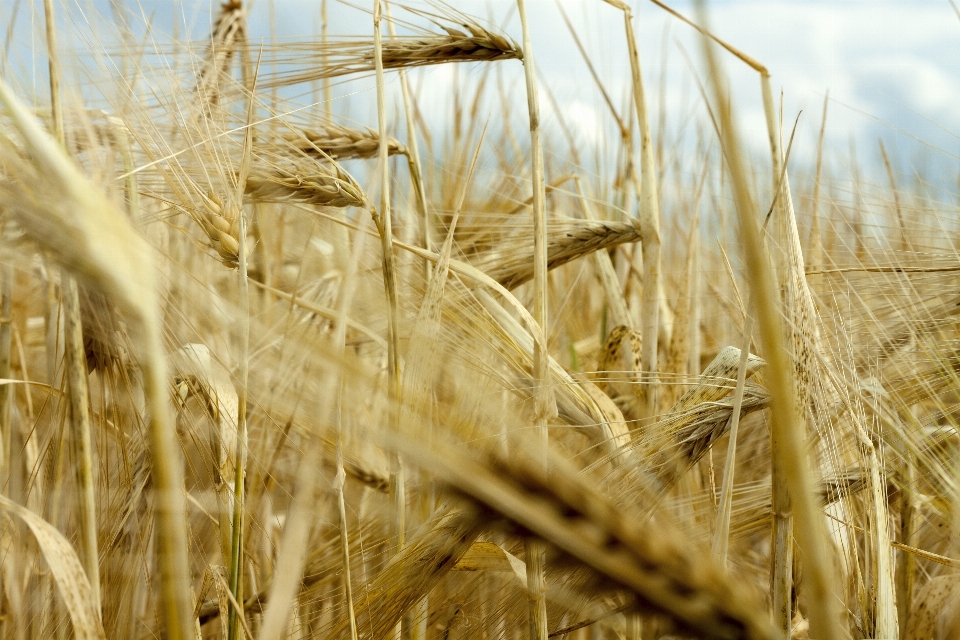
<point x="76" y="374"/>
<point x="649" y="218"/>
<point x="790" y="466"/>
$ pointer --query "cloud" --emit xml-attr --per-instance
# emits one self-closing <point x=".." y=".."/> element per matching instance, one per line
<point x="892" y="68"/>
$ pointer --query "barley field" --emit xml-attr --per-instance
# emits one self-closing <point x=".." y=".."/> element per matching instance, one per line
<point x="271" y="368"/>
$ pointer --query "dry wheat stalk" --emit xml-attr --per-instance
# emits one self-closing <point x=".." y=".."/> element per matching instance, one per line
<point x="75" y="375"/>
<point x="792" y="475"/>
<point x="648" y="216"/>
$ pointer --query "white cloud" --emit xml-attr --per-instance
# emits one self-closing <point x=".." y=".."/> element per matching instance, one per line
<point x="896" y="64"/>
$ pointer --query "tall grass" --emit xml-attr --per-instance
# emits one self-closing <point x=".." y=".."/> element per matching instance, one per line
<point x="523" y="392"/>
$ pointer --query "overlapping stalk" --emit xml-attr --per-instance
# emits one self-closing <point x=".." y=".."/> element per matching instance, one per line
<point x="649" y="219"/>
<point x="413" y="156"/>
<point x="384" y="223"/>
<point x="544" y="404"/>
<point x="789" y="445"/>
<point x="240" y="466"/>
<point x="76" y="374"/>
<point x="97" y="242"/>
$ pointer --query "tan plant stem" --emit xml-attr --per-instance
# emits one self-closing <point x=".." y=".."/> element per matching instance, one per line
<point x="75" y="359"/>
<point x="782" y="566"/>
<point x="51" y="309"/>
<point x="236" y="540"/>
<point x="789" y="443"/>
<point x="904" y="243"/>
<point x="6" y="391"/>
<point x="619" y="312"/>
<point x="721" y="535"/>
<point x="80" y="432"/>
<point x="344" y="539"/>
<point x="649" y="222"/>
<point x="544" y="404"/>
<point x="907" y="565"/>
<point x="413" y="160"/>
<point x="130" y="181"/>
<point x="384" y="226"/>
<point x="772" y="133"/>
<point x="815" y="243"/>
<point x="325" y="82"/>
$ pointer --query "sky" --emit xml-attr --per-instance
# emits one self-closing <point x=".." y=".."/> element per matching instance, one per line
<point x="892" y="69"/>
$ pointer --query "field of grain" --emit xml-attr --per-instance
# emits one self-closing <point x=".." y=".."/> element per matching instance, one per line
<point x="268" y="371"/>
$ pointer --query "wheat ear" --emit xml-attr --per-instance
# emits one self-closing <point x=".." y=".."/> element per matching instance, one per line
<point x="558" y="507"/>
<point x="510" y="265"/>
<point x="340" y="143"/>
<point x="471" y="43"/>
<point x="227" y="37"/>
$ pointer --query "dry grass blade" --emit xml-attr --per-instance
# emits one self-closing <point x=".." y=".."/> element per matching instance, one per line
<point x="76" y="374"/>
<point x="384" y="222"/>
<point x="416" y="176"/>
<point x="66" y="569"/>
<point x="78" y="394"/>
<point x="649" y="220"/>
<point x="561" y="509"/>
<point x="6" y="335"/>
<point x="510" y="264"/>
